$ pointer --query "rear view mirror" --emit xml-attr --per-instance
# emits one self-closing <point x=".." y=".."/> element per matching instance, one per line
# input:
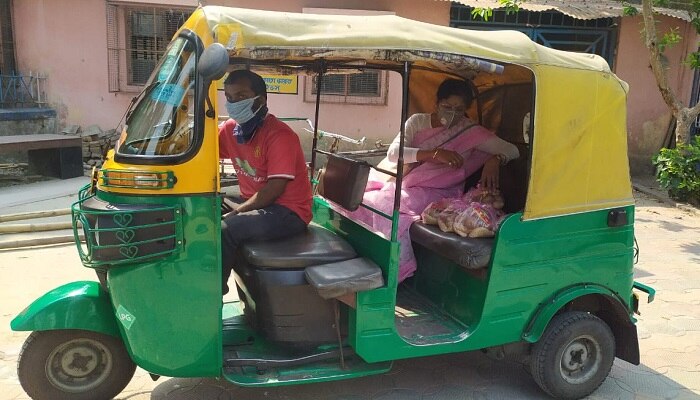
<point x="213" y="62"/>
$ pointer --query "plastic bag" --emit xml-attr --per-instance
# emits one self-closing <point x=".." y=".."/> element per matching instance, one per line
<point x="477" y="220"/>
<point x="431" y="213"/>
<point x="447" y="217"/>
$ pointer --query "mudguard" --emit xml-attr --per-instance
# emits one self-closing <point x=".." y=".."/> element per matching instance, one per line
<point x="616" y="315"/>
<point x="76" y="305"/>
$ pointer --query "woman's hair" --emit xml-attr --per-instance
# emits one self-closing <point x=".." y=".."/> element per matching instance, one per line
<point x="257" y="83"/>
<point x="455" y="87"/>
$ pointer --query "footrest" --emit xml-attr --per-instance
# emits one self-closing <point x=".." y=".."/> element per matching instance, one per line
<point x="344" y="277"/>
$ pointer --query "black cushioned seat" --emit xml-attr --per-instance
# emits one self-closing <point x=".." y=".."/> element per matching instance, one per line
<point x="344" y="277"/>
<point x="470" y="253"/>
<point x="316" y="246"/>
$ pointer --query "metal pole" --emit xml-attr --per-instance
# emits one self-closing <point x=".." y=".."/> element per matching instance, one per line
<point x="318" y="104"/>
<point x="399" y="170"/>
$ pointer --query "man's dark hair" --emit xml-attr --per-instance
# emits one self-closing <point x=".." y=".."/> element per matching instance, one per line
<point x="257" y="83"/>
<point x="455" y="87"/>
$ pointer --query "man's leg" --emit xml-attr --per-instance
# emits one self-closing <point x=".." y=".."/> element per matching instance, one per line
<point x="272" y="222"/>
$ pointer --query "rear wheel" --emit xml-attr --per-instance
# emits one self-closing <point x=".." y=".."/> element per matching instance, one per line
<point x="73" y="365"/>
<point x="574" y="355"/>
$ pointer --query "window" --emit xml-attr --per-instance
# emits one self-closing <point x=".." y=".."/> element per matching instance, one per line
<point x="136" y="40"/>
<point x="367" y="87"/>
<point x="7" y="46"/>
<point x="549" y="28"/>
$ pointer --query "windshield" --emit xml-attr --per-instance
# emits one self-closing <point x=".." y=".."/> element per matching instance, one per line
<point x="161" y="123"/>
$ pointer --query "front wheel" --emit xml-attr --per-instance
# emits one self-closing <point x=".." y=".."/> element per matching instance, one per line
<point x="73" y="365"/>
<point x="574" y="355"/>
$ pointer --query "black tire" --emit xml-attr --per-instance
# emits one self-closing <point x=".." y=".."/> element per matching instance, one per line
<point x="574" y="355"/>
<point x="73" y="365"/>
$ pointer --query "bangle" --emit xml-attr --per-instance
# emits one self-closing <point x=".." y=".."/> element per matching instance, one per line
<point x="502" y="159"/>
<point x="435" y="154"/>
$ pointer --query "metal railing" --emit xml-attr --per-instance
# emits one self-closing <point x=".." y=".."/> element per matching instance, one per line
<point x="17" y="91"/>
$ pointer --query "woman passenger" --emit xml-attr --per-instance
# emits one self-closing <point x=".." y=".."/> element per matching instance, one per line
<point x="441" y="150"/>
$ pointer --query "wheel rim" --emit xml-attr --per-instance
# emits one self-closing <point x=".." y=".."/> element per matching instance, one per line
<point x="580" y="360"/>
<point x="79" y="365"/>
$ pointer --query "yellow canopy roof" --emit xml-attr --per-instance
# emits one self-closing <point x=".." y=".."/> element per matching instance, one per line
<point x="579" y="142"/>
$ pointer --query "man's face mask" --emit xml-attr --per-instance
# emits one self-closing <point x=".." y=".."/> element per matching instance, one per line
<point x="242" y="110"/>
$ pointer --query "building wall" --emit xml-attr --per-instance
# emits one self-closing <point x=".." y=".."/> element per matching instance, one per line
<point x="66" y="40"/>
<point x="648" y="117"/>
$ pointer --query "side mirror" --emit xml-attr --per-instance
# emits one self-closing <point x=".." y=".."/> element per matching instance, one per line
<point x="213" y="62"/>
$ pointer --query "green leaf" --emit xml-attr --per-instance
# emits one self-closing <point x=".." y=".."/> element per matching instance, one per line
<point x="629" y="10"/>
<point x="482" y="12"/>
<point x="678" y="170"/>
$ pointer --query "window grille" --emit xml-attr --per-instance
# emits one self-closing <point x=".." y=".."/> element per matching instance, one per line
<point x="367" y="87"/>
<point x="7" y="43"/>
<point x="550" y="28"/>
<point x="136" y="40"/>
<point x="112" y="48"/>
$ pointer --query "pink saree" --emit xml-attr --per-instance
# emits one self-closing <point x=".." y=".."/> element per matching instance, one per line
<point x="424" y="184"/>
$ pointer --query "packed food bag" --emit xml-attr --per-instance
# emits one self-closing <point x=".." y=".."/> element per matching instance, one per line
<point x="447" y="217"/>
<point x="477" y="220"/>
<point x="431" y="213"/>
<point x="483" y="196"/>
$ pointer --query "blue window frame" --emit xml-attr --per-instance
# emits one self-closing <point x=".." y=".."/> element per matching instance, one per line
<point x="551" y="28"/>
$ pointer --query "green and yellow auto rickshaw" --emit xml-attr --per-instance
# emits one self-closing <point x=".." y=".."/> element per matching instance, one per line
<point x="554" y="286"/>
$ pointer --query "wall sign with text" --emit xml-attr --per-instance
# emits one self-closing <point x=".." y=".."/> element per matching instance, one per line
<point x="282" y="84"/>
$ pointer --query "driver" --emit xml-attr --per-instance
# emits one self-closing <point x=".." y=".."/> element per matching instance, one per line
<point x="269" y="162"/>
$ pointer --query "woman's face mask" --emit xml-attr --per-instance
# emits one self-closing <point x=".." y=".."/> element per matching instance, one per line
<point x="242" y="110"/>
<point x="450" y="113"/>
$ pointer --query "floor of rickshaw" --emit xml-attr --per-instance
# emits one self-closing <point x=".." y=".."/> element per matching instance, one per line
<point x="420" y="322"/>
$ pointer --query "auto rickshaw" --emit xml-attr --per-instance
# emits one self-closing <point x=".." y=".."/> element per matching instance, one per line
<point x="554" y="287"/>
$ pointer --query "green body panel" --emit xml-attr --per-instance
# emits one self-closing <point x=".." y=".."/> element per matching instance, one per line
<point x="317" y="371"/>
<point x="169" y="309"/>
<point x="536" y="267"/>
<point x="544" y="314"/>
<point x="236" y="330"/>
<point x="76" y="305"/>
<point x="446" y="285"/>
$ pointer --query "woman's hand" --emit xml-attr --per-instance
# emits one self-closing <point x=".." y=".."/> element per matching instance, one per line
<point x="490" y="175"/>
<point x="447" y="157"/>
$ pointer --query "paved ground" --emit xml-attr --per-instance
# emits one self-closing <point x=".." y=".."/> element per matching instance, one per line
<point x="669" y="328"/>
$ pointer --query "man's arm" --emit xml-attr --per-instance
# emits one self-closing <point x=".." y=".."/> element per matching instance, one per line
<point x="265" y="196"/>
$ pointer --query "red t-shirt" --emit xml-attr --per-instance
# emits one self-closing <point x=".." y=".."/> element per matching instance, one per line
<point x="274" y="152"/>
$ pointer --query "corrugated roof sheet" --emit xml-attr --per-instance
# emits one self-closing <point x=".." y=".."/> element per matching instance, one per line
<point x="579" y="9"/>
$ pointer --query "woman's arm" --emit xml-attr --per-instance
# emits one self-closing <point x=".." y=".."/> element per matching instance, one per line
<point x="414" y="123"/>
<point x="497" y="146"/>
<point x="503" y="152"/>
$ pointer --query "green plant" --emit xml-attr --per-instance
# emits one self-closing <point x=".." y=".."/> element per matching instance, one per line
<point x="678" y="171"/>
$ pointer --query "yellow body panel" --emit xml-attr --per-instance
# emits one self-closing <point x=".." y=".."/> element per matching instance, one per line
<point x="200" y="174"/>
<point x="579" y="155"/>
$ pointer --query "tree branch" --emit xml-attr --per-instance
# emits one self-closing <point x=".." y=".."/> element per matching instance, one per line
<point x="652" y="43"/>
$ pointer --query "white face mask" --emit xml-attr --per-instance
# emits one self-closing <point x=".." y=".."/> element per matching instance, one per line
<point x="446" y="117"/>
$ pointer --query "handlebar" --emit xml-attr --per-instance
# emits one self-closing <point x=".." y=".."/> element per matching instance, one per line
<point x="323" y="133"/>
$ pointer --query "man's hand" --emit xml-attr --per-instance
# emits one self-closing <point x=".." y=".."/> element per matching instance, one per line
<point x="264" y="197"/>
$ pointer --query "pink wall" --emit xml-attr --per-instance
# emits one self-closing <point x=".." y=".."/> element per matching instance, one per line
<point x="648" y="116"/>
<point x="66" y="40"/>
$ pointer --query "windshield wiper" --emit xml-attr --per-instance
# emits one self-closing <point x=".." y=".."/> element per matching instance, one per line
<point x="146" y="90"/>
